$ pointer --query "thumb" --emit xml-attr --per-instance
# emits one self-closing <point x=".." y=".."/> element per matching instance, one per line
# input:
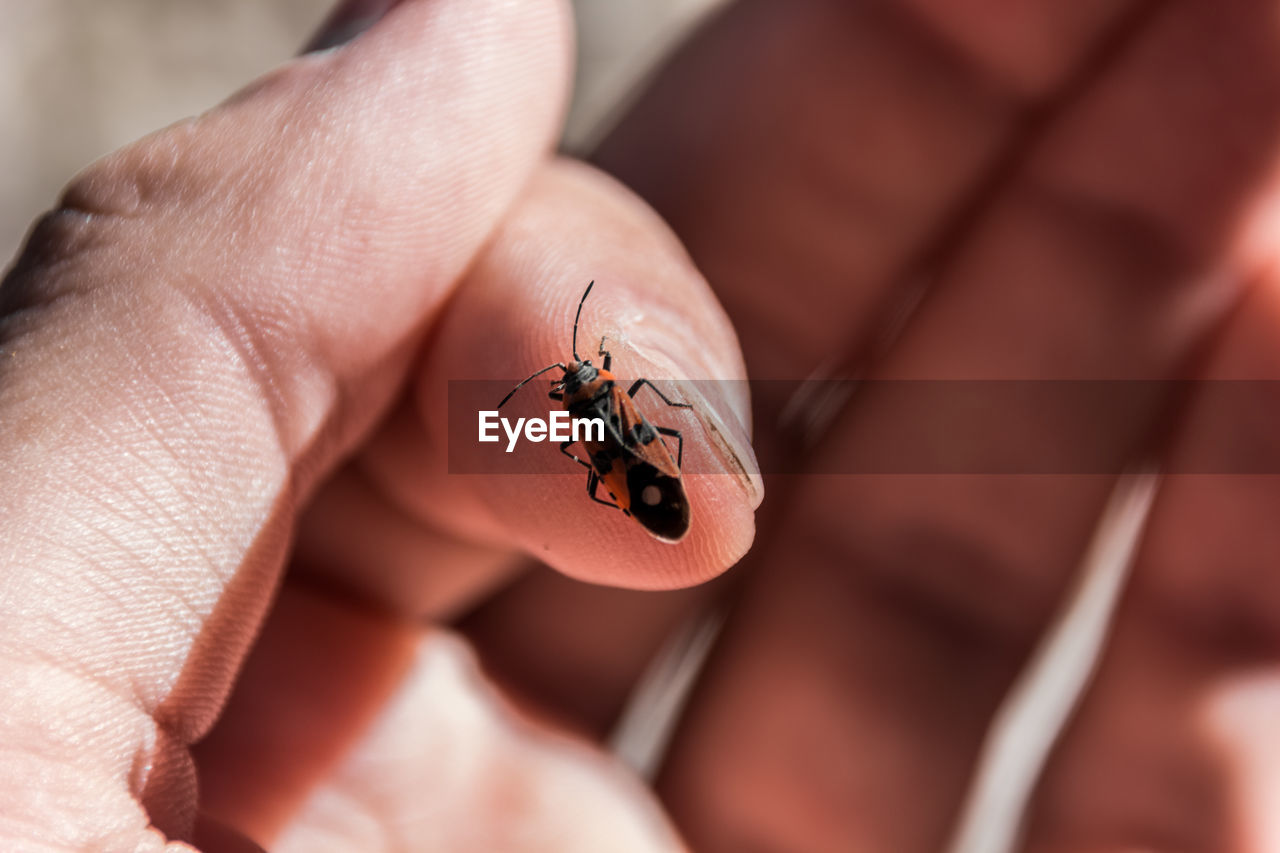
<point x="210" y="318"/>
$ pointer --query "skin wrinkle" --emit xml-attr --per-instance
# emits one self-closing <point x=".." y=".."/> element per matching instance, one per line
<point x="1128" y="235"/>
<point x="190" y="706"/>
<point x="241" y="333"/>
<point x="987" y="83"/>
<point x="461" y="572"/>
<point x="116" y="719"/>
<point x="370" y="476"/>
<point x="110" y="585"/>
<point x="147" y="504"/>
<point x="970" y="207"/>
<point x="74" y="669"/>
<point x="1003" y="56"/>
<point x="997" y="111"/>
<point x="102" y="580"/>
<point x="58" y="243"/>
<point x="106" y="190"/>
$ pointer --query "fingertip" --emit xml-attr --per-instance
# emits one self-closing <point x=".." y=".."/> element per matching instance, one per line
<point x="658" y="319"/>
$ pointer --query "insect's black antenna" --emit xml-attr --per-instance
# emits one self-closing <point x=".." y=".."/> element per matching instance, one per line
<point x="576" y="317"/>
<point x="558" y="364"/>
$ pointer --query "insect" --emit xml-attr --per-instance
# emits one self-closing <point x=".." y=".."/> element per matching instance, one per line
<point x="633" y="462"/>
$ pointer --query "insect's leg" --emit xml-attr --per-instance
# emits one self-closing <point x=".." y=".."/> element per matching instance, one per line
<point x="608" y="358"/>
<point x="593" y="484"/>
<point x="564" y="448"/>
<point x="558" y="396"/>
<point x="528" y="379"/>
<point x="631" y="392"/>
<point x="679" y="438"/>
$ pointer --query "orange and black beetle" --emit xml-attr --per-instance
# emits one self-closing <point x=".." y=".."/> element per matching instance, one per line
<point x="634" y="464"/>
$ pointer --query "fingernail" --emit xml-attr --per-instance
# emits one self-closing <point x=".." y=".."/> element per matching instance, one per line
<point x="723" y="406"/>
<point x="348" y="20"/>
<point x="726" y="431"/>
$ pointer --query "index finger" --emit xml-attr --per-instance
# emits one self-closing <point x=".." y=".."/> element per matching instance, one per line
<point x="514" y="314"/>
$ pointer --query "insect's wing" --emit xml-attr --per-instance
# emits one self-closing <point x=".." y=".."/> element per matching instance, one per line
<point x="609" y="456"/>
<point x="658" y="501"/>
<point x="639" y="437"/>
<point x="656" y="495"/>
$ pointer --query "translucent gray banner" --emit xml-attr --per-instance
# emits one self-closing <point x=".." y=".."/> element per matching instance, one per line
<point x="915" y="427"/>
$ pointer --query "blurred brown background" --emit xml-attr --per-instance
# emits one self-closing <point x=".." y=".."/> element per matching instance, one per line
<point x="79" y="78"/>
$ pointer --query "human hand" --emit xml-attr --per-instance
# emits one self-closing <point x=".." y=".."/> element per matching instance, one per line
<point x="1080" y="191"/>
<point x="256" y="309"/>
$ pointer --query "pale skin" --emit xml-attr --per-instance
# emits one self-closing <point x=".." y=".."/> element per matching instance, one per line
<point x="237" y="332"/>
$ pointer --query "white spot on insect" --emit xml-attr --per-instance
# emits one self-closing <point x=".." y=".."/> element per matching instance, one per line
<point x="651" y="495"/>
